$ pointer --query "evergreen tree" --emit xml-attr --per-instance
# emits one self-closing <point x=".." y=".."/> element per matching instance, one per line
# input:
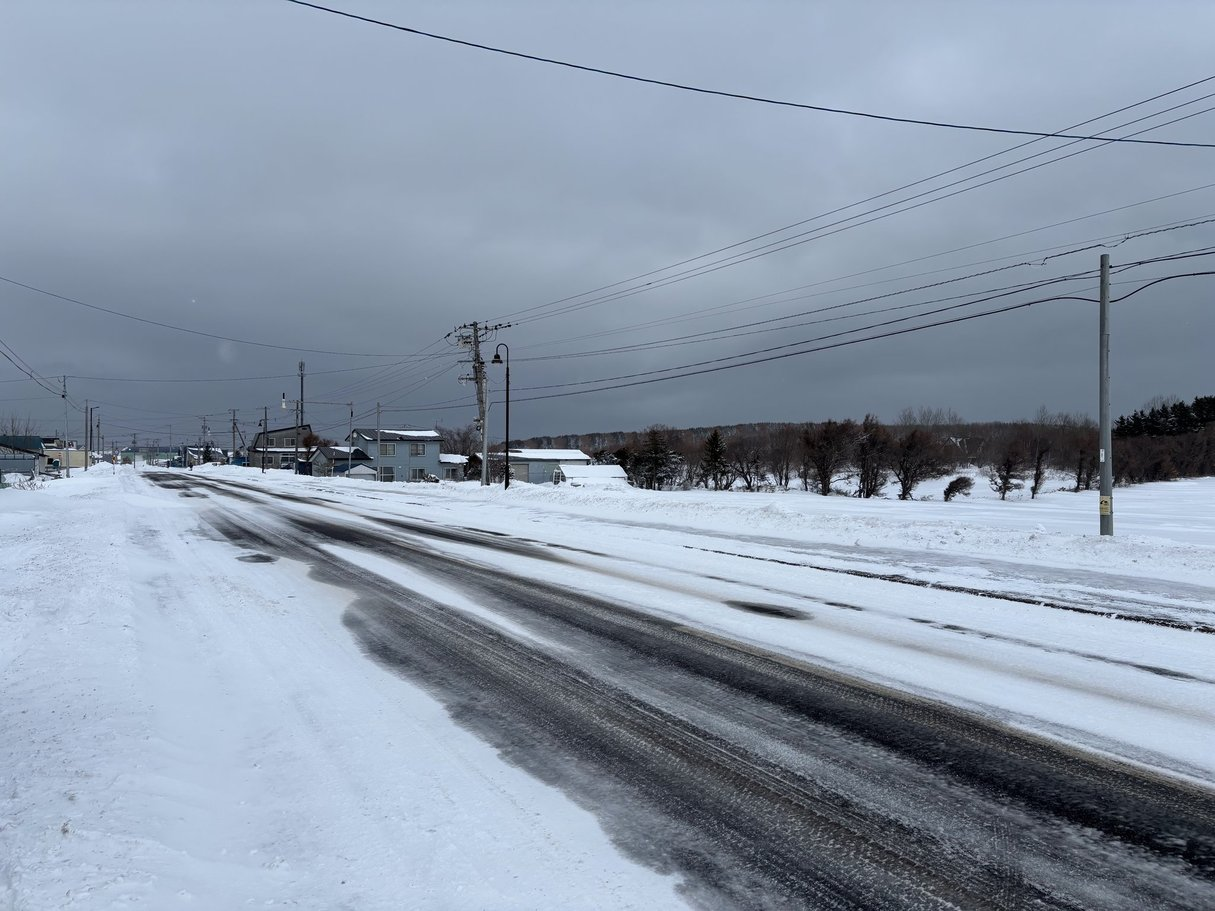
<point x="713" y="468"/>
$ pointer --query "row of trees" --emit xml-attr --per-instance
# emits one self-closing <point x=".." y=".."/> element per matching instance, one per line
<point x="1166" y="440"/>
<point x="861" y="458"/>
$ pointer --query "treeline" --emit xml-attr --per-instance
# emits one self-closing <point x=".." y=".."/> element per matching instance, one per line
<point x="865" y="459"/>
<point x="868" y="458"/>
<point x="1166" y="440"/>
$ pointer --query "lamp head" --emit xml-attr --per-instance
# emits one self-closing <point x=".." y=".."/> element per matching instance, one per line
<point x="497" y="358"/>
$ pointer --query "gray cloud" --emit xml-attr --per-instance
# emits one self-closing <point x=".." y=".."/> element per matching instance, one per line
<point x="271" y="173"/>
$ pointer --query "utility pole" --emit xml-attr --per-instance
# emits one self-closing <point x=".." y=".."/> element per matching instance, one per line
<point x="1106" y="442"/>
<point x="299" y="420"/>
<point x="265" y="434"/>
<point x="350" y="441"/>
<point x="232" y="451"/>
<point x="88" y="432"/>
<point x="379" y="474"/>
<point x="67" y="459"/>
<point x="471" y="335"/>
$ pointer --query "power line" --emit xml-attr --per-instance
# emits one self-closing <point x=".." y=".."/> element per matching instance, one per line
<point x="741" y="329"/>
<point x="701" y="313"/>
<point x="848" y="223"/>
<point x="778" y="352"/>
<point x="737" y="95"/>
<point x="223" y="338"/>
<point x="873" y="198"/>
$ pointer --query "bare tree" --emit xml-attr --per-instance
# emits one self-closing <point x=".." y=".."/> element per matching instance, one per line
<point x="745" y="463"/>
<point x="869" y="454"/>
<point x="780" y="453"/>
<point x="829" y="447"/>
<point x="18" y="427"/>
<point x="916" y="456"/>
<point x="463" y="441"/>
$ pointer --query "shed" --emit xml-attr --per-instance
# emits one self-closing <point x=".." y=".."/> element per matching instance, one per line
<point x="537" y="466"/>
<point x="361" y="472"/>
<point x="578" y="475"/>
<point x="452" y="466"/>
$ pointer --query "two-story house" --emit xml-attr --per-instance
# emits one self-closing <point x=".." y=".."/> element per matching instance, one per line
<point x="400" y="455"/>
<point x="279" y="447"/>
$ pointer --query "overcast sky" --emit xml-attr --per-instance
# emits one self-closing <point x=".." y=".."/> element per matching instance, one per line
<point x="269" y="173"/>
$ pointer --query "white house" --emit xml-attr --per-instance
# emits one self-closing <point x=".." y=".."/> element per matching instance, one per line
<point x="452" y="466"/>
<point x="536" y="466"/>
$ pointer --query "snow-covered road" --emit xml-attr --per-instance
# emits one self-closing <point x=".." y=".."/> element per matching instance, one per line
<point x="688" y="712"/>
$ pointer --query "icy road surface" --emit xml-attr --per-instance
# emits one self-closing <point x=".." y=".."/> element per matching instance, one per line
<point x="223" y="688"/>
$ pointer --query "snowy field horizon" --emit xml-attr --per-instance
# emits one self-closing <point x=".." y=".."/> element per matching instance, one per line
<point x="189" y="719"/>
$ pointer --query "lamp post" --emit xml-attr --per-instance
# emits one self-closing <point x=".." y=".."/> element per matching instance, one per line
<point x="505" y="443"/>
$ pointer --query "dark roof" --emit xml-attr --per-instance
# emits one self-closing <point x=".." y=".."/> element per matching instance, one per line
<point x="334" y="454"/>
<point x="397" y="436"/>
<point x="22" y="442"/>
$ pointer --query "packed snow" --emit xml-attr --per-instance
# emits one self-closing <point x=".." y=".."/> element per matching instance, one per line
<point x="183" y="728"/>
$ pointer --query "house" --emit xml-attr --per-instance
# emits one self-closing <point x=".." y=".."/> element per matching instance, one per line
<point x="22" y="455"/>
<point x="452" y="466"/>
<point x="335" y="461"/>
<point x="279" y="447"/>
<point x="400" y="455"/>
<point x="361" y="472"/>
<point x="205" y="455"/>
<point x="578" y="475"/>
<point x="62" y="451"/>
<point x="536" y="466"/>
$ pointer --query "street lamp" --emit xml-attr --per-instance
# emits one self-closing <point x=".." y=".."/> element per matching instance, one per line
<point x="506" y="443"/>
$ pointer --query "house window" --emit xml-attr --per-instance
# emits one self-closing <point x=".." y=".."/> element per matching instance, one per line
<point x="417" y="474"/>
<point x="417" y="449"/>
<point x="388" y="449"/>
<point x="284" y="461"/>
<point x="449" y="474"/>
<point x="386" y="473"/>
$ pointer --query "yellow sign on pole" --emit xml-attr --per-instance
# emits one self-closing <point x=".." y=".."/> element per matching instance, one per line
<point x="1107" y="506"/>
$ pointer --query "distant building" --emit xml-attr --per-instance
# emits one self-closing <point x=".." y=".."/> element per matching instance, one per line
<point x="400" y="455"/>
<point x="452" y="466"/>
<point x="22" y="455"/>
<point x="335" y="461"/>
<point x="278" y="447"/>
<point x="536" y="466"/>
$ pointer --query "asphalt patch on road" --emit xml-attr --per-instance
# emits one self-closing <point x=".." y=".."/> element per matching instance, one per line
<point x="769" y="610"/>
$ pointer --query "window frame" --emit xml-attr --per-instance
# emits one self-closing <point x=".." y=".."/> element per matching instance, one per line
<point x="388" y="450"/>
<point x="417" y="450"/>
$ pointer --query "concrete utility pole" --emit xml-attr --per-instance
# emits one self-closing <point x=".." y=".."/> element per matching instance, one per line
<point x="299" y="421"/>
<point x="88" y="433"/>
<point x="379" y="474"/>
<point x="471" y="335"/>
<point x="232" y="451"/>
<point x="265" y="434"/>
<point x="67" y="459"/>
<point x="1106" y="442"/>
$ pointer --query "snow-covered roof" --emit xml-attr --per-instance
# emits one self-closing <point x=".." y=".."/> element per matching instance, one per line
<point x="549" y="455"/>
<point x="395" y="436"/>
<point x="451" y="458"/>
<point x="577" y="473"/>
